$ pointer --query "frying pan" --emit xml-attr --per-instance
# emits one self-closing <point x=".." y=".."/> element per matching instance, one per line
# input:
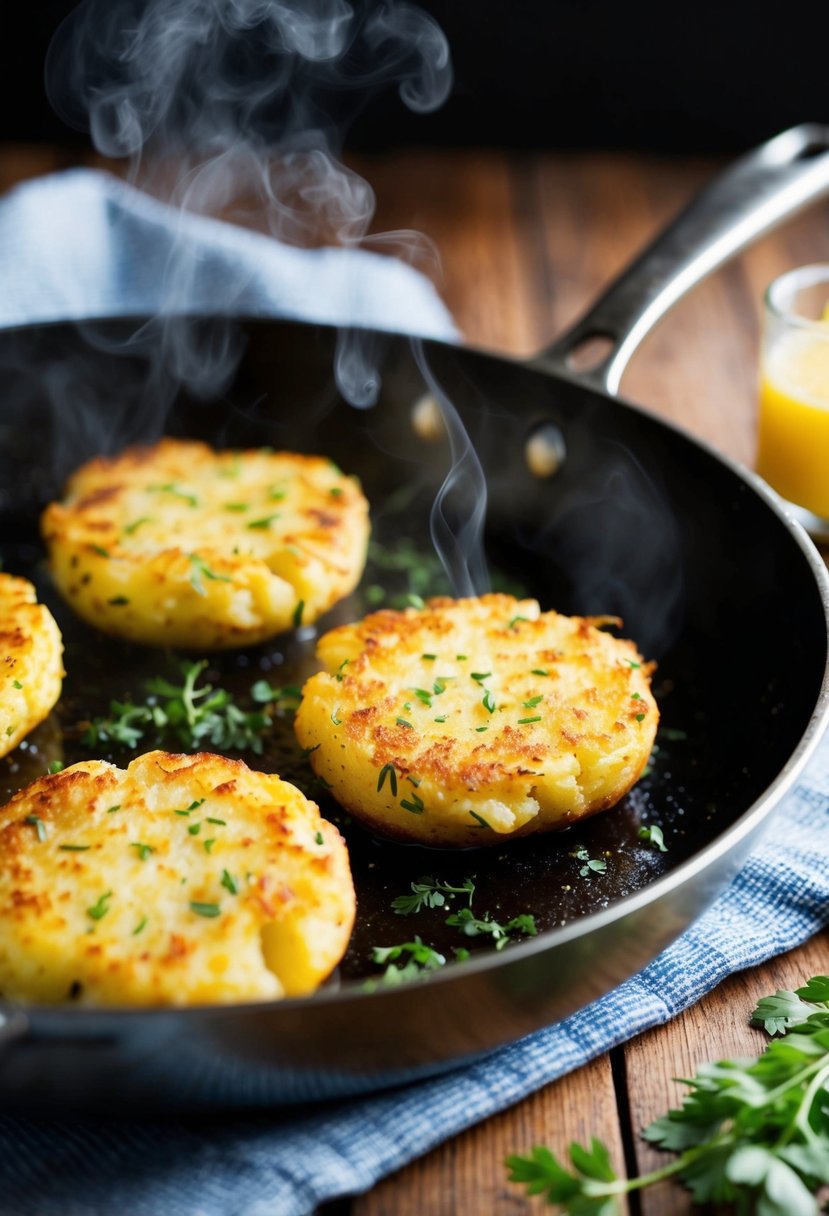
<point x="712" y="578"/>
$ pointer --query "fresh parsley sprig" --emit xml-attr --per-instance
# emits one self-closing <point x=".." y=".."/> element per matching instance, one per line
<point x="754" y="1132"/>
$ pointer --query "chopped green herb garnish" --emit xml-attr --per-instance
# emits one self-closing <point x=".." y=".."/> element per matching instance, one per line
<point x="298" y="611"/>
<point x="200" y="568"/>
<point x="38" y="824"/>
<point x="474" y="926"/>
<point x="423" y="696"/>
<point x="639" y="717"/>
<point x="429" y="658"/>
<point x="142" y="924"/>
<point x="461" y="658"/>
<point x="636" y="696"/>
<point x="221" y="822"/>
<point x="533" y="701"/>
<point x="237" y="506"/>
<point x="172" y="488"/>
<point x="539" y="671"/>
<point x="388" y="770"/>
<point x="319" y="838"/>
<point x="419" y="958"/>
<point x="229" y="882"/>
<point x="414" y="804"/>
<point x="136" y="524"/>
<point x="144" y="850"/>
<point x="194" y="714"/>
<point x="528" y="721"/>
<point x="431" y="893"/>
<point x="336" y="492"/>
<point x="194" y="829"/>
<point x="479" y="676"/>
<point x="100" y="907"/>
<point x="263" y="523"/>
<point x="112" y="809"/>
<point x="488" y="702"/>
<point x="202" y="909"/>
<point x="337" y="721"/>
<point x="442" y="718"/>
<point x="515" y="621"/>
<point x="480" y="729"/>
<point x="651" y="833"/>
<point x="339" y="673"/>
<point x="118" y="601"/>
<point x="479" y="819"/>
<point x="16" y="684"/>
<point x="208" y="844"/>
<point x="57" y="766"/>
<point x="74" y="848"/>
<point x="276" y="495"/>
<point x="592" y="865"/>
<point x="403" y="722"/>
<point x="100" y="550"/>
<point x="631" y="663"/>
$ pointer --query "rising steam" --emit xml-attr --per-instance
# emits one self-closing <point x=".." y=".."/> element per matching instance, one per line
<point x="238" y="109"/>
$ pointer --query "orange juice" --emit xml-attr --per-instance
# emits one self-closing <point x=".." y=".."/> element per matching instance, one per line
<point x="793" y="434"/>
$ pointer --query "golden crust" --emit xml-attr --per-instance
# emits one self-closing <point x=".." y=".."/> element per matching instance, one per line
<point x="180" y="880"/>
<point x="31" y="661"/>
<point x="180" y="545"/>
<point x="476" y="719"/>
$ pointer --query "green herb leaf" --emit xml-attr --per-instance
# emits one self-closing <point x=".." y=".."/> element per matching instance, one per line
<point x="38" y="824"/>
<point x="651" y="833"/>
<point x="488" y="702"/>
<point x="265" y="522"/>
<point x="199" y="570"/>
<point x="751" y="1133"/>
<point x="192" y="712"/>
<point x="418" y="959"/>
<point x="75" y="848"/>
<point x="388" y="770"/>
<point x="229" y="882"/>
<point x="144" y="850"/>
<point x="101" y="906"/>
<point x="475" y="926"/>
<point x="431" y="893"/>
<point x="298" y="611"/>
<point x="202" y="909"/>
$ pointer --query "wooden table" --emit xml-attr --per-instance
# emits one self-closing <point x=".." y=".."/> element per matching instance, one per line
<point x="526" y="240"/>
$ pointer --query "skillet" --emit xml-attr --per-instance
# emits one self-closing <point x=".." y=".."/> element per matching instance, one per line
<point x="712" y="578"/>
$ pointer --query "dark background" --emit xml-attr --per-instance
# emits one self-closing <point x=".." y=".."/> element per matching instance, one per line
<point x="707" y="76"/>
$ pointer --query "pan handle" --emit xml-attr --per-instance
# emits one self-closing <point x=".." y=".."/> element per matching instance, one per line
<point x="747" y="199"/>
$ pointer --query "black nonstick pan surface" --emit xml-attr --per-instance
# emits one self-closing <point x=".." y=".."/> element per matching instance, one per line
<point x="710" y="577"/>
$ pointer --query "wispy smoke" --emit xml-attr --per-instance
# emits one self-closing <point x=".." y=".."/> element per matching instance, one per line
<point x="459" y="509"/>
<point x="253" y="98"/>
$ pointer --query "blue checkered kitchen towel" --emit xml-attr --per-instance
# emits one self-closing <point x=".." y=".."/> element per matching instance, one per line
<point x="82" y="244"/>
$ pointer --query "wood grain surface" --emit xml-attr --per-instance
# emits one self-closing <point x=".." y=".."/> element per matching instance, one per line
<point x="525" y="241"/>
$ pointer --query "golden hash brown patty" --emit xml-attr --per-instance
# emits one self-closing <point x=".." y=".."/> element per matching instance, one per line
<point x="31" y="661"/>
<point x="181" y="545"/>
<point x="179" y="880"/>
<point x="476" y="719"/>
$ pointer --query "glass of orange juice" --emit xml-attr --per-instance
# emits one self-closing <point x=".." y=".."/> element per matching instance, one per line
<point x="793" y="431"/>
